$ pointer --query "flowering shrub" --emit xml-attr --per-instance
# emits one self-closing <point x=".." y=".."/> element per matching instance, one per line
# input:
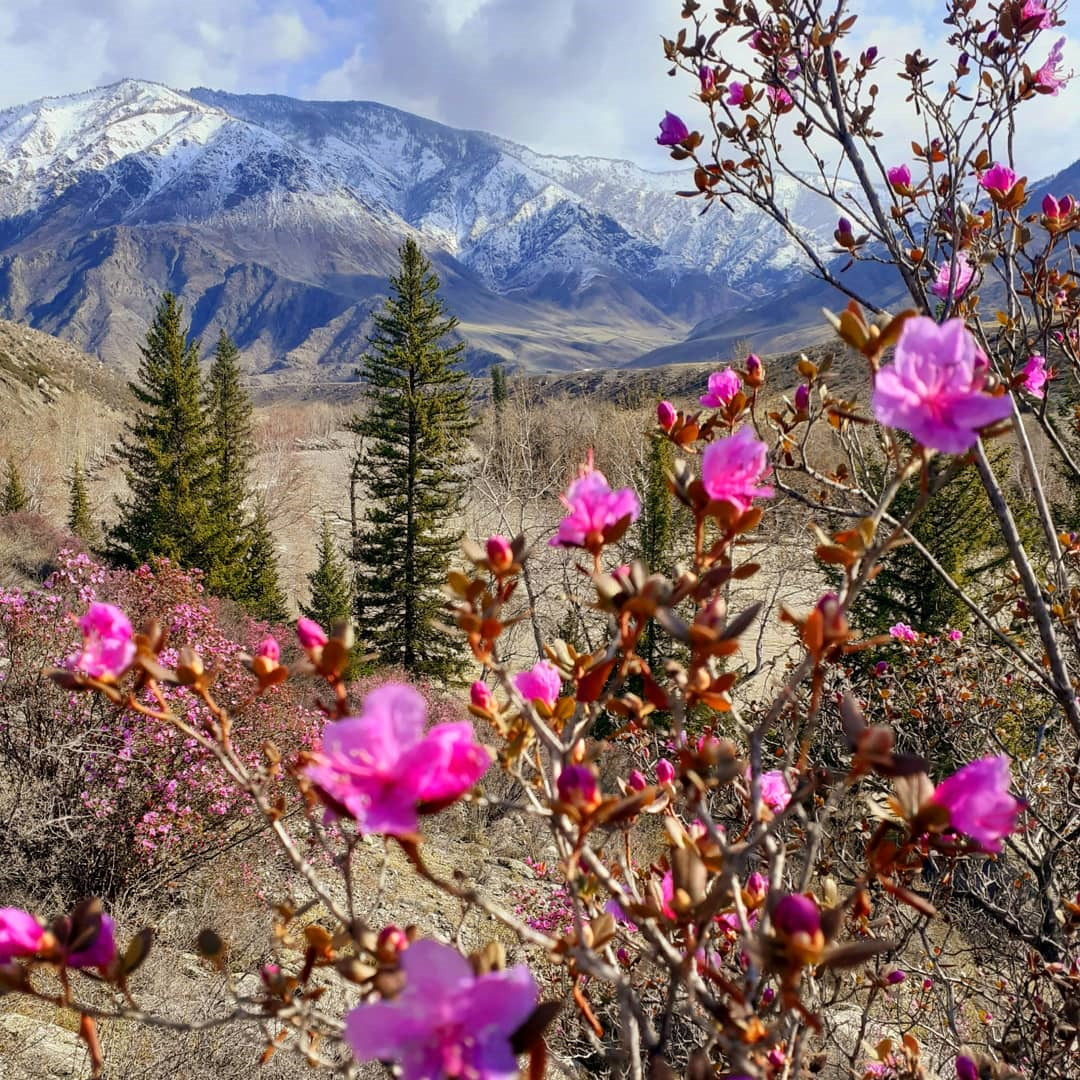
<point x="869" y="869"/>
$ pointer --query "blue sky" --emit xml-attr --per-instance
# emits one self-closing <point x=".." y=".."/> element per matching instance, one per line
<point x="562" y="76"/>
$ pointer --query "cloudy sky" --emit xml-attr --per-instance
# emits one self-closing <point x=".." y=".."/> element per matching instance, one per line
<point x="563" y="76"/>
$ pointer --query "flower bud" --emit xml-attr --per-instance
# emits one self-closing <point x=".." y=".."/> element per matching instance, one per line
<point x="756" y="889"/>
<point x="666" y="415"/>
<point x="894" y="978"/>
<point x="755" y="371"/>
<point x="802" y="398"/>
<point x="310" y="634"/>
<point x="499" y="553"/>
<point x="1050" y="206"/>
<point x="577" y="787"/>
<point x="966" y="1069"/>
<point x="269" y="648"/>
<point x="636" y="781"/>
<point x="391" y="940"/>
<point x="480" y="696"/>
<point x="665" y="771"/>
<point x="797" y="914"/>
<point x="768" y="996"/>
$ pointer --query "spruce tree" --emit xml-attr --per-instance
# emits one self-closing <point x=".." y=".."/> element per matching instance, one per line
<point x="230" y="450"/>
<point x="655" y="529"/>
<point x="79" y="519"/>
<point x="500" y="391"/>
<point x="331" y="590"/>
<point x="416" y="432"/>
<point x="13" y="499"/>
<point x="165" y="452"/>
<point x="260" y="592"/>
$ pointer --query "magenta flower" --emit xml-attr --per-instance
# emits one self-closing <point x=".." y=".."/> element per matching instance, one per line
<point x="998" y="178"/>
<point x="738" y="93"/>
<point x="447" y="1022"/>
<point x="796" y="914"/>
<point x="20" y="934"/>
<point x="1035" y="376"/>
<point x="480" y="695"/>
<point x="1033" y="9"/>
<point x="380" y="767"/>
<point x="966" y="1069"/>
<point x="269" y="648"/>
<point x="666" y="415"/>
<point x="108" y="643"/>
<point x="1050" y="206"/>
<point x="100" y="952"/>
<point x="899" y="176"/>
<point x="595" y="510"/>
<point x="902" y="632"/>
<point x="636" y="780"/>
<point x="310" y="634"/>
<point x="779" y="98"/>
<point x="932" y="389"/>
<point x="577" y="787"/>
<point x="707" y="75"/>
<point x="541" y="682"/>
<point x="732" y="467"/>
<point x="1047" y="76"/>
<point x="665" y="771"/>
<point x="723" y="386"/>
<point x="964" y="273"/>
<point x="499" y="553"/>
<point x="955" y="635"/>
<point x="894" y="978"/>
<point x="775" y="793"/>
<point x="802" y="398"/>
<point x="672" y="130"/>
<point x="978" y="801"/>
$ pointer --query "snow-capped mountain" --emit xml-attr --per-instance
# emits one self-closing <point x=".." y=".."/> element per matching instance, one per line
<point x="279" y="220"/>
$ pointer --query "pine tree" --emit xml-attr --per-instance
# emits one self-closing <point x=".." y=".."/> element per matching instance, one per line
<point x="13" y="499"/>
<point x="500" y="391"/>
<point x="655" y="529"/>
<point x="331" y="590"/>
<point x="231" y="447"/>
<point x="165" y="452"/>
<point x="416" y="432"/>
<point x="260" y="592"/>
<point x="79" y="520"/>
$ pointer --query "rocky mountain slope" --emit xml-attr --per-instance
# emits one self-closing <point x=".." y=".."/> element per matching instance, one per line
<point x="279" y="220"/>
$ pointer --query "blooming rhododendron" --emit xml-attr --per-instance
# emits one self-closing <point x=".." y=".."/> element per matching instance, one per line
<point x="780" y="99"/>
<point x="20" y="934"/>
<point x="672" y="130"/>
<point x="447" y="1022"/>
<point x="540" y="683"/>
<point x="480" y="695"/>
<point x="775" y="793"/>
<point x="577" y="787"/>
<point x="499" y="553"/>
<point x="723" y="386"/>
<point x="978" y="801"/>
<point x="903" y="632"/>
<point x="899" y="176"/>
<point x="665" y="771"/>
<point x="796" y="914"/>
<point x="932" y="390"/>
<point x="380" y="766"/>
<point x="998" y="178"/>
<point x="310" y="634"/>
<point x="732" y="467"/>
<point x="594" y="510"/>
<point x="666" y="415"/>
<point x="1047" y="77"/>
<point x="108" y="643"/>
<point x="1035" y="376"/>
<point x="1035" y="10"/>
<point x="944" y="280"/>
<point x="98" y="953"/>
<point x="739" y="93"/>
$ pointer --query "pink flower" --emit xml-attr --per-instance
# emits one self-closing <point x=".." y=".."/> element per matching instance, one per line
<point x="738" y="93"/>
<point x="108" y="643"/>
<point x="903" y="632"/>
<point x="499" y="553"/>
<point x="894" y="978"/>
<point x="1035" y="377"/>
<point x="723" y="386"/>
<point x="707" y="76"/>
<point x="978" y="801"/>
<point x="731" y="468"/>
<point x="1047" y="77"/>
<point x="956" y="635"/>
<point x="899" y="176"/>
<point x="636" y="780"/>
<point x="665" y="771"/>
<point x="595" y="510"/>
<point x="964" y="273"/>
<point x="480" y="695"/>
<point x="310" y="634"/>
<point x="666" y="415"/>
<point x="998" y="178"/>
<point x="577" y="787"/>
<point x="447" y="1022"/>
<point x="540" y="683"/>
<point x="1033" y="9"/>
<point x="1050" y="206"/>
<point x="20" y="934"/>
<point x="98" y="953"/>
<point x="802" y="398"/>
<point x="672" y="130"/>
<point x="779" y="98"/>
<point x="932" y="390"/>
<point x="796" y="914"/>
<point x="775" y="793"/>
<point x="269" y="648"/>
<point x="379" y="767"/>
<point x="966" y="1069"/>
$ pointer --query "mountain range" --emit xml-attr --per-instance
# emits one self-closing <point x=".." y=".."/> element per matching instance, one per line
<point x="279" y="221"/>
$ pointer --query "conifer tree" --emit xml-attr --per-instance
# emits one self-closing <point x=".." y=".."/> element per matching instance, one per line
<point x="79" y="520"/>
<point x="165" y="452"/>
<point x="230" y="450"/>
<point x="500" y="390"/>
<point x="416" y="432"/>
<point x="13" y="499"/>
<point x="331" y="590"/>
<point x="656" y="529"/>
<point x="261" y="593"/>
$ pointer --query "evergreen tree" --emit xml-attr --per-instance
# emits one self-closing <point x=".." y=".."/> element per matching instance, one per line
<point x="165" y="452"/>
<point x="416" y="432"/>
<point x="13" y="499"/>
<point x="656" y="530"/>
<point x="500" y="390"/>
<point x="231" y="447"/>
<point x="79" y="520"/>
<point x="261" y="592"/>
<point x="331" y="591"/>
